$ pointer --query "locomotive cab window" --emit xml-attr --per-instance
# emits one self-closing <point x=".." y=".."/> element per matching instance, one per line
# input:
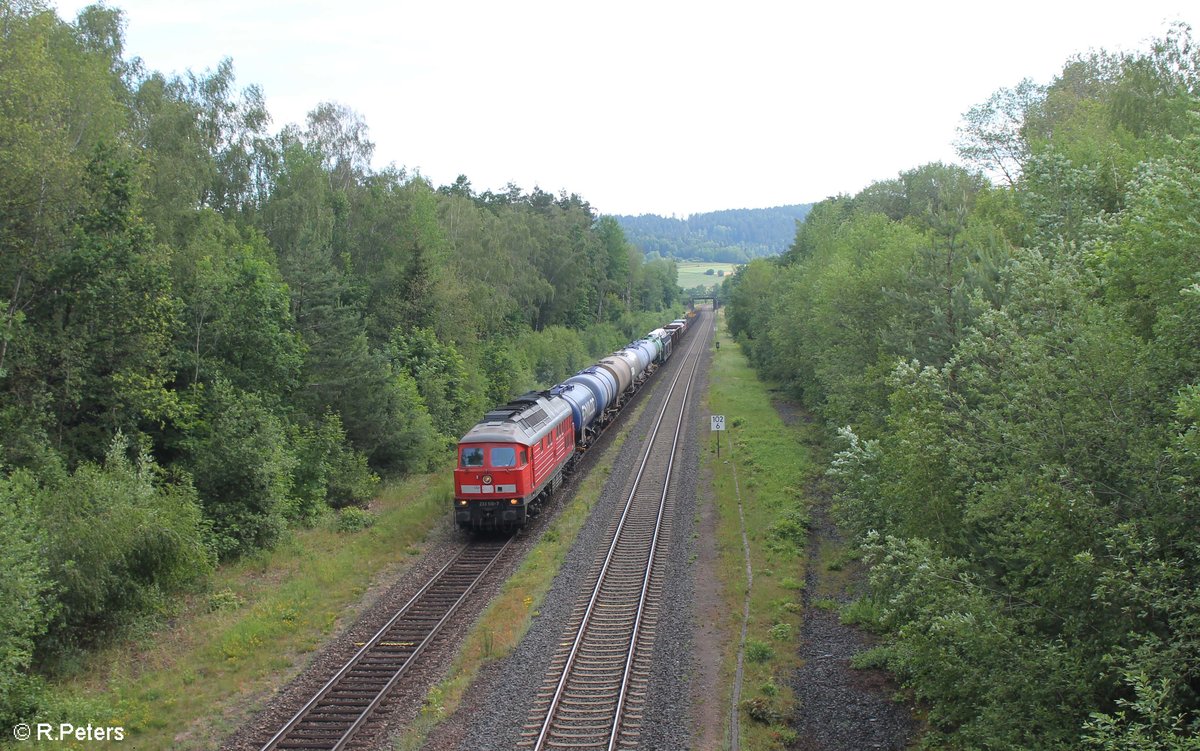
<point x="504" y="457"/>
<point x="523" y="459"/>
<point x="472" y="457"/>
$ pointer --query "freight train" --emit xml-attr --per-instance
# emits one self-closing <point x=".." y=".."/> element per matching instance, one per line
<point x="519" y="453"/>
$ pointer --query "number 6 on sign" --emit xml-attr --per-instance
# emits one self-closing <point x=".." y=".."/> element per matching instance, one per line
<point x="717" y="423"/>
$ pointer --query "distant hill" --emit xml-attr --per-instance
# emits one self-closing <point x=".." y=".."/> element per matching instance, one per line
<point x="730" y="236"/>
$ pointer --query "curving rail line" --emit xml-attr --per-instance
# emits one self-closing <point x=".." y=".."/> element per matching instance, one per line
<point x="336" y="713"/>
<point x="594" y="694"/>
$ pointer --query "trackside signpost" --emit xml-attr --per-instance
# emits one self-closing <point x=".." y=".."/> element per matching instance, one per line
<point x="716" y="423"/>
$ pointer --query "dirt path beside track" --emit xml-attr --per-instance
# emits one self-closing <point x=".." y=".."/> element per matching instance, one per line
<point x="839" y="708"/>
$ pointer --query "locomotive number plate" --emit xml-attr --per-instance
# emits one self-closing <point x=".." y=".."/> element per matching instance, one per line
<point x="488" y="504"/>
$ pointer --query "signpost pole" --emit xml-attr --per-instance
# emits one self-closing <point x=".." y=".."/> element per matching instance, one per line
<point x="716" y="425"/>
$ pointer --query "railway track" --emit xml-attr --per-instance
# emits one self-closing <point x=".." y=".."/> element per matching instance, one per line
<point x="332" y="718"/>
<point x="595" y="690"/>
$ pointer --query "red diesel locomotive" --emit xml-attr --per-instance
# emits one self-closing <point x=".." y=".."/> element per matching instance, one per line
<point x="518" y="454"/>
<point x="512" y="457"/>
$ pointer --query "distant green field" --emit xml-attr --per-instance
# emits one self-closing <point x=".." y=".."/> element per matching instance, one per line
<point x="691" y="273"/>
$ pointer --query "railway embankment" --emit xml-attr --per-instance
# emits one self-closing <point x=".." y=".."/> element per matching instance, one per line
<point x="493" y="710"/>
<point x="784" y="679"/>
<point x="502" y="626"/>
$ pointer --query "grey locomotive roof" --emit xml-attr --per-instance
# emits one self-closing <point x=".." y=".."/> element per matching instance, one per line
<point x="525" y="419"/>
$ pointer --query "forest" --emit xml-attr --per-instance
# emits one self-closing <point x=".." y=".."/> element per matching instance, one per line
<point x="212" y="331"/>
<point x="730" y="236"/>
<point x="1009" y="353"/>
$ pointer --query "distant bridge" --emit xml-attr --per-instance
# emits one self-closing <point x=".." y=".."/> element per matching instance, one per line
<point x="714" y="299"/>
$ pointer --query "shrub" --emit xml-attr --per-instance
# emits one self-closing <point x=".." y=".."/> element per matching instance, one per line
<point x="758" y="651"/>
<point x="450" y="395"/>
<point x="790" y="531"/>
<point x="787" y="737"/>
<point x="395" y="431"/>
<point x="505" y="370"/>
<point x="601" y="338"/>
<point x="761" y="710"/>
<point x="1149" y="722"/>
<point x="982" y="674"/>
<point x="554" y="353"/>
<point x="242" y="465"/>
<point x="25" y="590"/>
<point x="353" y="519"/>
<point x="863" y="612"/>
<point x="329" y="473"/>
<point x="226" y="599"/>
<point x="118" y="541"/>
<point x="781" y="631"/>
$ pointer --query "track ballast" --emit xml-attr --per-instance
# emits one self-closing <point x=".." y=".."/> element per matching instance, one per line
<point x="330" y="720"/>
<point x="594" y="693"/>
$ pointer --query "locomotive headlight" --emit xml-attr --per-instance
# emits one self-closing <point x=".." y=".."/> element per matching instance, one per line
<point x="514" y="501"/>
<point x="462" y="501"/>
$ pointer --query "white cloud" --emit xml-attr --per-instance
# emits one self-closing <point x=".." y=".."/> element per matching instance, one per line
<point x="664" y="107"/>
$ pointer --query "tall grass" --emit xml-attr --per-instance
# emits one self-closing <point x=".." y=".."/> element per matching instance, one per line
<point x="772" y="464"/>
<point x="189" y="683"/>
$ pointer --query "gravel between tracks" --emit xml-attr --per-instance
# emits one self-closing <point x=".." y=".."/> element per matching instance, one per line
<point x="383" y="600"/>
<point x="667" y="723"/>
<point x="405" y="701"/>
<point x="496" y="706"/>
<point x="839" y="708"/>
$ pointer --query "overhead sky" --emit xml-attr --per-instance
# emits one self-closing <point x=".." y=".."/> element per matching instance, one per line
<point x="662" y="107"/>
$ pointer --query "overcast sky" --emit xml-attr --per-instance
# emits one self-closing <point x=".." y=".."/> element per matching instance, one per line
<point x="642" y="107"/>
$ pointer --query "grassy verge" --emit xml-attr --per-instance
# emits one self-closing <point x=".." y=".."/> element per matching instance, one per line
<point x="504" y="623"/>
<point x="694" y="273"/>
<point x="190" y="683"/>
<point x="772" y="463"/>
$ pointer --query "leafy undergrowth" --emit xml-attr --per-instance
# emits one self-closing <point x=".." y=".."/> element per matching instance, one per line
<point x="772" y="464"/>
<point x="189" y="683"/>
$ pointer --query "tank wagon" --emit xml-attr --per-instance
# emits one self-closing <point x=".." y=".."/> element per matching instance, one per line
<point x="519" y="453"/>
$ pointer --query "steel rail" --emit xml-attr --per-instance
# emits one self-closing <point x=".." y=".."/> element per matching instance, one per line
<point x="694" y="354"/>
<point x="637" y="626"/>
<point x="278" y="740"/>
